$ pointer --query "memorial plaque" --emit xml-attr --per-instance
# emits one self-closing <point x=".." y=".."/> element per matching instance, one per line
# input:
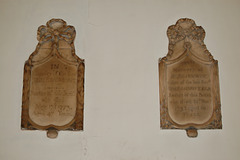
<point x="53" y="85"/>
<point x="188" y="81"/>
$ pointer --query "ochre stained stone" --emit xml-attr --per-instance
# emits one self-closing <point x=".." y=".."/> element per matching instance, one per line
<point x="188" y="81"/>
<point x="53" y="85"/>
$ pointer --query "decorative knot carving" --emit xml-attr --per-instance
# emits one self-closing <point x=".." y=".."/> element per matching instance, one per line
<point x="54" y="30"/>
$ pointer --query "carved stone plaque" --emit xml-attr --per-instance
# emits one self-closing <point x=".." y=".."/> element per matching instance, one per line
<point x="53" y="85"/>
<point x="188" y="81"/>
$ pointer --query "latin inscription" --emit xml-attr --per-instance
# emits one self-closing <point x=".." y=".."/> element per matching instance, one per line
<point x="189" y="92"/>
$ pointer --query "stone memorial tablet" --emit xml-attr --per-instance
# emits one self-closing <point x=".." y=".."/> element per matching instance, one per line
<point x="188" y="81"/>
<point x="53" y="85"/>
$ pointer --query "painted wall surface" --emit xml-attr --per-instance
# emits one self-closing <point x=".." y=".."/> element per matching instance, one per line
<point x="121" y="41"/>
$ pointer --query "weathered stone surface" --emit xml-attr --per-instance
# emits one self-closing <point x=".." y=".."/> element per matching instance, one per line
<point x="53" y="85"/>
<point x="188" y="81"/>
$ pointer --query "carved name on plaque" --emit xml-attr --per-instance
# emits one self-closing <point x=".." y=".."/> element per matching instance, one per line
<point x="188" y="81"/>
<point x="53" y="85"/>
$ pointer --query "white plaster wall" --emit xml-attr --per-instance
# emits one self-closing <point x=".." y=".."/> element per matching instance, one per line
<point x="121" y="41"/>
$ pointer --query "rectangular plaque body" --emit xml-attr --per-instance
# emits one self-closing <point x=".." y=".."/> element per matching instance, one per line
<point x="53" y="86"/>
<point x="53" y="92"/>
<point x="188" y="81"/>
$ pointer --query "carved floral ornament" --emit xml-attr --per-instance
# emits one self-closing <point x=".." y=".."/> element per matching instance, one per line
<point x="186" y="29"/>
<point x="53" y="85"/>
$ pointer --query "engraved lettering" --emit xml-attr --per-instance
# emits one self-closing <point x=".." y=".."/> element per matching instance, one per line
<point x="189" y="90"/>
<point x="53" y="92"/>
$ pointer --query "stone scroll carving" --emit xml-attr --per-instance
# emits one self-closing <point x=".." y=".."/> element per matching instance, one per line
<point x="53" y="85"/>
<point x="189" y="81"/>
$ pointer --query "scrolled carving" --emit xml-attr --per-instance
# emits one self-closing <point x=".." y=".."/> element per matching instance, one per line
<point x="186" y="30"/>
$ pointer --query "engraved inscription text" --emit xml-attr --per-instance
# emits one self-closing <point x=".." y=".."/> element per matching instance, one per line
<point x="189" y="92"/>
<point x="53" y="93"/>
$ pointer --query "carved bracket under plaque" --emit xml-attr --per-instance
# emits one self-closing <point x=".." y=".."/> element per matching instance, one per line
<point x="188" y="81"/>
<point x="53" y="85"/>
